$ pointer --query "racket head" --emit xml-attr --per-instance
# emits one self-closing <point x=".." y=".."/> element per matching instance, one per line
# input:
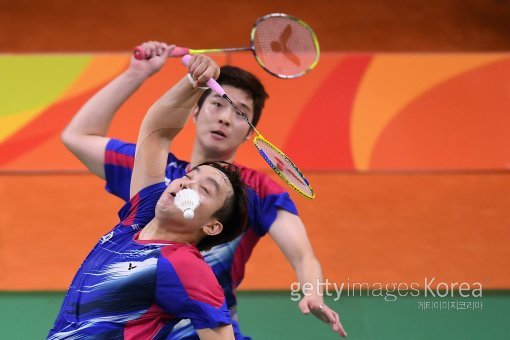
<point x="284" y="46"/>
<point x="284" y="167"/>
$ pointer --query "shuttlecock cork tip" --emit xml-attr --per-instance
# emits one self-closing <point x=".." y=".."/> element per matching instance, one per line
<point x="189" y="214"/>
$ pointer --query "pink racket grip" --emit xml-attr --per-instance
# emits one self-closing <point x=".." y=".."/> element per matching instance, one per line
<point x="179" y="51"/>
<point x="139" y="53"/>
<point x="176" y="52"/>
<point x="213" y="84"/>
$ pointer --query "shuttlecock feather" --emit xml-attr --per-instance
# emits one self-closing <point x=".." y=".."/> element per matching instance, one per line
<point x="187" y="200"/>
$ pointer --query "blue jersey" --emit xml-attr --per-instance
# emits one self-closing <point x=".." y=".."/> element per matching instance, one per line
<point x="228" y="261"/>
<point x="137" y="289"/>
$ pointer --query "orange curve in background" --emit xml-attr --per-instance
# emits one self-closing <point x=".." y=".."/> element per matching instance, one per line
<point x="48" y="124"/>
<point x="11" y="123"/>
<point x="450" y="127"/>
<point x="100" y="69"/>
<point x="125" y="125"/>
<point x="320" y="137"/>
<point x="393" y="81"/>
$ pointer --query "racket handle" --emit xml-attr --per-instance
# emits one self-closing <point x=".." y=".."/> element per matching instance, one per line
<point x="176" y="52"/>
<point x="213" y="84"/>
<point x="179" y="51"/>
<point x="139" y="53"/>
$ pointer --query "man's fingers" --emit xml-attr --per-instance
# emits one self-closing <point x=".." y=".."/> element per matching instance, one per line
<point x="330" y="315"/>
<point x="153" y="49"/>
<point x="337" y="325"/>
<point x="303" y="306"/>
<point x="202" y="68"/>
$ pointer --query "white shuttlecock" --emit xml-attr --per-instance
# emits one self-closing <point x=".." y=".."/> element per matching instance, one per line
<point x="187" y="200"/>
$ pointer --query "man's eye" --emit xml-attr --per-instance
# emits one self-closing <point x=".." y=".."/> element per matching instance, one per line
<point x="205" y="189"/>
<point x="217" y="104"/>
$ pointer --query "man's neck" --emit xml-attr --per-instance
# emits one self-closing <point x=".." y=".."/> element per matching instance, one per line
<point x="154" y="231"/>
<point x="199" y="156"/>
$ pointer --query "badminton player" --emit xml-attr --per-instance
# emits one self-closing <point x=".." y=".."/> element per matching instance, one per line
<point x="147" y="274"/>
<point x="219" y="133"/>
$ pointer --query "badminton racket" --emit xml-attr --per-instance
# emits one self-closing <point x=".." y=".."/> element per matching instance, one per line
<point x="279" y="162"/>
<point x="283" y="45"/>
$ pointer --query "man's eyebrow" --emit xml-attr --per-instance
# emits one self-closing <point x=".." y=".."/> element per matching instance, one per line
<point x="214" y="183"/>
<point x="245" y="107"/>
<point x="241" y="104"/>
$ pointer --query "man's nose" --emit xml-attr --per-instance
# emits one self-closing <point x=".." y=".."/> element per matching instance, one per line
<point x="188" y="184"/>
<point x="225" y="116"/>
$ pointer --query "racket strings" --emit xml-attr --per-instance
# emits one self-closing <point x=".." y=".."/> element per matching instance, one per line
<point x="285" y="46"/>
<point x="283" y="166"/>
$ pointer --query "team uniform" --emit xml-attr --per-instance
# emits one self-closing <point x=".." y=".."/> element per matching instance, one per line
<point x="137" y="289"/>
<point x="227" y="261"/>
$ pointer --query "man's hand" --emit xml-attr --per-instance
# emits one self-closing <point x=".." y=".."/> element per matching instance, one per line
<point x="202" y="68"/>
<point x="156" y="54"/>
<point x="322" y="312"/>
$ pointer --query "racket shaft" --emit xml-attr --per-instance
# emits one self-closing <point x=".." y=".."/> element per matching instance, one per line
<point x="139" y="53"/>
<point x="182" y="51"/>
<point x="240" y="112"/>
<point x="219" y="50"/>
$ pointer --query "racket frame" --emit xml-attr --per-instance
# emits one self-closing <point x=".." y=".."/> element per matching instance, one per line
<point x="181" y="51"/>
<point x="280" y="173"/>
<point x="302" y="23"/>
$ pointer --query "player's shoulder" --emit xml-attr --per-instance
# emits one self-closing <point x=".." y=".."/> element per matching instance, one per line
<point x="181" y="252"/>
<point x="195" y="275"/>
<point x="259" y="181"/>
<point x="186" y="259"/>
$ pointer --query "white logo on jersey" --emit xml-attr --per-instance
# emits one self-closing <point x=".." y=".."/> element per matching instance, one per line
<point x="106" y="237"/>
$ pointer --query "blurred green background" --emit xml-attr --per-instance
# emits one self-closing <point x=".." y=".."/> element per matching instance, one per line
<point x="272" y="315"/>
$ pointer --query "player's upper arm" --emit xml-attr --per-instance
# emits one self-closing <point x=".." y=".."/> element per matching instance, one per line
<point x="90" y="150"/>
<point x="218" y="333"/>
<point x="150" y="159"/>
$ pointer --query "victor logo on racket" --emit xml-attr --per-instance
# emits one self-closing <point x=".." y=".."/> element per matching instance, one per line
<point x="279" y="162"/>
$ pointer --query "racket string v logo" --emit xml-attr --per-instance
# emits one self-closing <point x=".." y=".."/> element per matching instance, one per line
<point x="281" y="46"/>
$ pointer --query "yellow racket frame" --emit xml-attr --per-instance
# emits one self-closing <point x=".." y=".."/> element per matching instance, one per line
<point x="310" y="195"/>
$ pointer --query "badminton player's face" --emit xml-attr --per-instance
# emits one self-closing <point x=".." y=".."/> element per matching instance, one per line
<point x="220" y="130"/>
<point x="213" y="187"/>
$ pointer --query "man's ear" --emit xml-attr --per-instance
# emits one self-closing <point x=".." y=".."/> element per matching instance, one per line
<point x="213" y="228"/>
<point x="194" y="113"/>
<point x="249" y="135"/>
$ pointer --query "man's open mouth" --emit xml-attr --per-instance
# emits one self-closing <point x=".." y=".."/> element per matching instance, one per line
<point x="219" y="133"/>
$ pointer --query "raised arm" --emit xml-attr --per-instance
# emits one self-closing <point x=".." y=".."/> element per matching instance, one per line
<point x="163" y="122"/>
<point x="85" y="136"/>
<point x="290" y="235"/>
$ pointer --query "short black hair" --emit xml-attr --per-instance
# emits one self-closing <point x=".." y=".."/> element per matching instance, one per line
<point x="246" y="81"/>
<point x="233" y="215"/>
